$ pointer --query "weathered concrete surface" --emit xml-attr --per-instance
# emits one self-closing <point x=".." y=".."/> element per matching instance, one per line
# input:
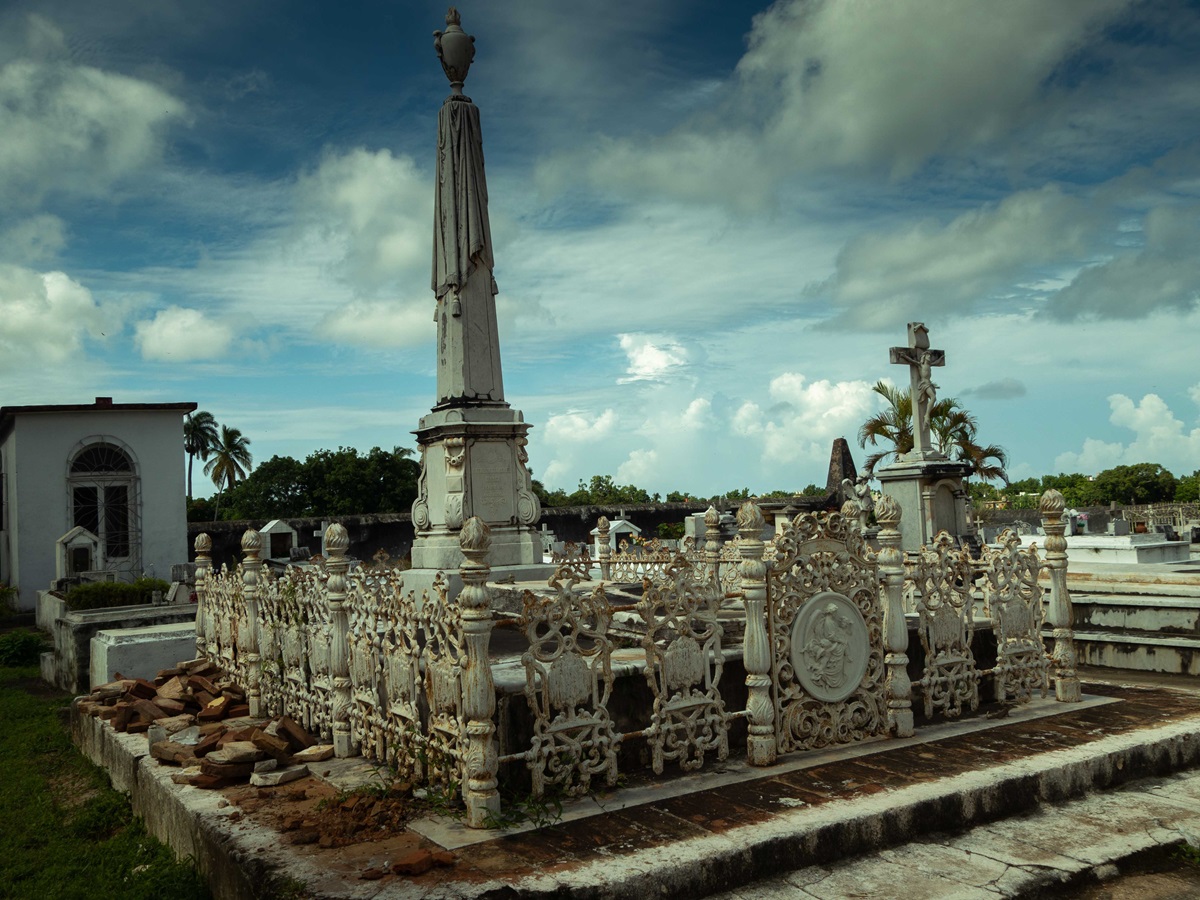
<point x="68" y="666"/>
<point x="792" y="821"/>
<point x="139" y="652"/>
<point x="1051" y="848"/>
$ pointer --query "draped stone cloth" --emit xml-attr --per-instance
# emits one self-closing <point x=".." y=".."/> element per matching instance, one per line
<point x="468" y="370"/>
<point x="462" y="237"/>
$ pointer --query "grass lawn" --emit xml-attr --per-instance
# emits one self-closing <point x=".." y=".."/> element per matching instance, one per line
<point x="66" y="833"/>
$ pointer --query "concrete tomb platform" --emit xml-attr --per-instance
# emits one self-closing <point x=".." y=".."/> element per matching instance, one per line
<point x="68" y="665"/>
<point x="140" y="652"/>
<point x="1055" y="791"/>
<point x="1138" y="549"/>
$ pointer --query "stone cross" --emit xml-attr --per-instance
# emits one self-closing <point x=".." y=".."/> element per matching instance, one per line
<point x="920" y="360"/>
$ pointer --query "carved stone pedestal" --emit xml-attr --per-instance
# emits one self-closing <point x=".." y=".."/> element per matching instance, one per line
<point x="473" y="463"/>
<point x="930" y="491"/>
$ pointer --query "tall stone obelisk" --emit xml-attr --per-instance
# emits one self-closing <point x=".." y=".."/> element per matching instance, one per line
<point x="473" y="459"/>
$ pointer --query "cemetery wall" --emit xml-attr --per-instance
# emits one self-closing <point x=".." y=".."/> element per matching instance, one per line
<point x="393" y="532"/>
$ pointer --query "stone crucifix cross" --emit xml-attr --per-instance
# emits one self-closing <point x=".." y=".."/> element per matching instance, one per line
<point x="920" y="360"/>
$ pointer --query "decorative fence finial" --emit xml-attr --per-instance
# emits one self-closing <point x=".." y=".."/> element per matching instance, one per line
<point x="750" y="518"/>
<point x="1066" y="680"/>
<point x="895" y="628"/>
<point x="712" y="543"/>
<point x="337" y="542"/>
<point x="604" y="548"/>
<point x="887" y="513"/>
<point x="248" y="626"/>
<point x="479" y="692"/>
<point x="204" y="619"/>
<point x="756" y="650"/>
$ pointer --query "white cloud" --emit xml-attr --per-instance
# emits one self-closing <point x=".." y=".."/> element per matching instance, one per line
<point x="1163" y="274"/>
<point x="805" y="418"/>
<point x="894" y="82"/>
<point x="177" y="334"/>
<point x="682" y="436"/>
<point x="569" y="437"/>
<point x="380" y="324"/>
<point x="577" y="427"/>
<point x="34" y="239"/>
<point x="46" y="317"/>
<point x="642" y="467"/>
<point x="1159" y="437"/>
<point x="651" y="357"/>
<point x="928" y="270"/>
<point x="376" y="210"/>
<point x="71" y="127"/>
<point x="881" y="85"/>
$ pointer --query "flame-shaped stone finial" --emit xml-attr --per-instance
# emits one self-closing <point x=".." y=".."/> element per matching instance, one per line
<point x="251" y="541"/>
<point x="337" y="538"/>
<point x="887" y="511"/>
<point x="1053" y="503"/>
<point x="750" y="517"/>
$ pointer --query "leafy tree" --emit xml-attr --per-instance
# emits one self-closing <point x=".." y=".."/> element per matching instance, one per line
<point x="981" y="491"/>
<point x="342" y="481"/>
<point x="277" y="488"/>
<point x="1139" y="483"/>
<point x="1188" y="488"/>
<point x="231" y="461"/>
<point x="603" y="491"/>
<point x="1077" y="489"/>
<point x="813" y="490"/>
<point x="327" y="483"/>
<point x="199" y="439"/>
<point x="200" y="509"/>
<point x="952" y="429"/>
<point x="1023" y="486"/>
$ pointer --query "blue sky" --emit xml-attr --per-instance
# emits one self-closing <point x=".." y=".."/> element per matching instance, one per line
<point x="711" y="221"/>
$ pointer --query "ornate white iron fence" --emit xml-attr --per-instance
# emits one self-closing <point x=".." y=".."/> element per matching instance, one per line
<point x="356" y="658"/>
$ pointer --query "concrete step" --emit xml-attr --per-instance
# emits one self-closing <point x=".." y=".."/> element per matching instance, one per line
<point x="1075" y="843"/>
<point x="1169" y="616"/>
<point x="1140" y="651"/>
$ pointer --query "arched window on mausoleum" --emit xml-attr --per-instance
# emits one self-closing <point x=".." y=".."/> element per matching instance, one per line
<point x="103" y="492"/>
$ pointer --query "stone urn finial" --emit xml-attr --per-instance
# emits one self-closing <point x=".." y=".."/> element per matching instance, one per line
<point x="456" y="49"/>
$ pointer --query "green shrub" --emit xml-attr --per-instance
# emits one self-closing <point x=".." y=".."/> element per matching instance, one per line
<point x="672" y="531"/>
<point x="8" y="600"/>
<point x="104" y="594"/>
<point x="21" y="648"/>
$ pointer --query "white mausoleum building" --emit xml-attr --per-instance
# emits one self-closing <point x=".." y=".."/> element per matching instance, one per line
<point x="90" y="488"/>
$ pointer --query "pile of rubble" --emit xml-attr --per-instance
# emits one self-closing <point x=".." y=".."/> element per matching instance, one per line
<point x="196" y="718"/>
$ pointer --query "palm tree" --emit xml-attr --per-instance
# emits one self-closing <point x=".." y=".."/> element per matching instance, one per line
<point x="951" y="427"/>
<point x="891" y="426"/>
<point x="231" y="461"/>
<point x="199" y="439"/>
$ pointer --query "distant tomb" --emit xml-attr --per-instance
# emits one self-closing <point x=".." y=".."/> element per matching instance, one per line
<point x="98" y="493"/>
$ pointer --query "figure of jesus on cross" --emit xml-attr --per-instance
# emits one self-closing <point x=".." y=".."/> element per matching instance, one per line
<point x="920" y="360"/>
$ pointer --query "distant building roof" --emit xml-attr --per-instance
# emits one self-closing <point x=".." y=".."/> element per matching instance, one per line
<point x="102" y="404"/>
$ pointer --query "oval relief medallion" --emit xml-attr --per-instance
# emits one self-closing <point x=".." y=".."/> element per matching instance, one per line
<point x="830" y="647"/>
